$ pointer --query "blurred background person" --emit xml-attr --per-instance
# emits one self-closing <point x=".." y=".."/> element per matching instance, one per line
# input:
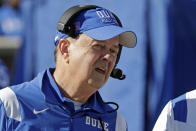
<point x="10" y="18"/>
<point x="11" y="35"/>
<point x="4" y="75"/>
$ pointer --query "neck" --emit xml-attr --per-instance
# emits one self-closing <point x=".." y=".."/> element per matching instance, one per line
<point x="71" y="88"/>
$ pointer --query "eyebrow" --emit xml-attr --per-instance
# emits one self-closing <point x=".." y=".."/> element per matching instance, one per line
<point x="116" y="46"/>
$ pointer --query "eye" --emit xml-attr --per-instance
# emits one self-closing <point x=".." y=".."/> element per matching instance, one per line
<point x="114" y="51"/>
<point x="98" y="46"/>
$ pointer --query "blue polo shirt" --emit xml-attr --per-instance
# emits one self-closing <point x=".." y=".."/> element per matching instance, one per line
<point x="39" y="105"/>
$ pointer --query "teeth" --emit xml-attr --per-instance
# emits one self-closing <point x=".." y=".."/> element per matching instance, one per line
<point x="103" y="69"/>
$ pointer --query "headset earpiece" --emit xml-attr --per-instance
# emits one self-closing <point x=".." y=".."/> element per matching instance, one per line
<point x="70" y="30"/>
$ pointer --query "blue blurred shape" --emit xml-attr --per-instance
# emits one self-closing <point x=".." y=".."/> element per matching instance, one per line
<point x="180" y="71"/>
<point x="4" y="75"/>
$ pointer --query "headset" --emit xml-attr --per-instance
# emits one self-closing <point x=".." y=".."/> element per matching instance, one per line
<point x="65" y="26"/>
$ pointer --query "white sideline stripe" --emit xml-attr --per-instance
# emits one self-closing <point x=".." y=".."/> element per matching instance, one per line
<point x="10" y="103"/>
<point x="191" y="94"/>
<point x="120" y="123"/>
<point x="191" y="107"/>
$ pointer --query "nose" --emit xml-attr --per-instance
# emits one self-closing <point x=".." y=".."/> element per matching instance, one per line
<point x="107" y="56"/>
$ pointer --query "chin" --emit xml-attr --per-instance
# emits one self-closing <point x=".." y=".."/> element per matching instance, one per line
<point x="97" y="84"/>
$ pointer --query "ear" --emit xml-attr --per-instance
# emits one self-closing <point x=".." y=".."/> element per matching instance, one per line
<point x="63" y="48"/>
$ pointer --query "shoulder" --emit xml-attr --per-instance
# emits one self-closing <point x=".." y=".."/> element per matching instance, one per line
<point x="180" y="106"/>
<point x="6" y="93"/>
<point x="184" y="105"/>
<point x="191" y="95"/>
<point x="28" y="89"/>
<point x="121" y="124"/>
<point x="13" y="99"/>
<point x="165" y="119"/>
<point x="10" y="103"/>
<point x="179" y="110"/>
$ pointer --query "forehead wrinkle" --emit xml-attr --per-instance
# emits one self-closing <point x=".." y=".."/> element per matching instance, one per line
<point x="116" y="45"/>
<point x="85" y="40"/>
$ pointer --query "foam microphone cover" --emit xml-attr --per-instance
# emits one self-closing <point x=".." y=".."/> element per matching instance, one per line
<point x="117" y="73"/>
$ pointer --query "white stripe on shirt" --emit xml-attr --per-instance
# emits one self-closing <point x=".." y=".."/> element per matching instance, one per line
<point x="10" y="103"/>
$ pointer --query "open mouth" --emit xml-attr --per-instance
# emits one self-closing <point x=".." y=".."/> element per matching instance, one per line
<point x="101" y="70"/>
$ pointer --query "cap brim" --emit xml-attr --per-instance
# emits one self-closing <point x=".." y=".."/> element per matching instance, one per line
<point x="127" y="37"/>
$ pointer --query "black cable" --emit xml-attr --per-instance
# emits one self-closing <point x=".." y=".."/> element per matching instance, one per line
<point x="100" y="120"/>
<point x="117" y="106"/>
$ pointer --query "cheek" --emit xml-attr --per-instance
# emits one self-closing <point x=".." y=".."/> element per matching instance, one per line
<point x="83" y="61"/>
<point x="111" y="66"/>
<point x="110" y="70"/>
<point x="89" y="62"/>
<point x="112" y="62"/>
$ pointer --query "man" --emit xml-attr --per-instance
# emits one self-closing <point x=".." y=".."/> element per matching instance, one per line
<point x="179" y="114"/>
<point x="66" y="98"/>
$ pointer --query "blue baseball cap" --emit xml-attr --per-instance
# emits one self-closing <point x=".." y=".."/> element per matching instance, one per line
<point x="100" y="24"/>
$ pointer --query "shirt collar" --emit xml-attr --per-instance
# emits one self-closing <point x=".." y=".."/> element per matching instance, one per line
<point x="51" y="90"/>
<point x="96" y="103"/>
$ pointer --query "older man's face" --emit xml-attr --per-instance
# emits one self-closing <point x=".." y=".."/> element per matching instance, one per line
<point x="92" y="61"/>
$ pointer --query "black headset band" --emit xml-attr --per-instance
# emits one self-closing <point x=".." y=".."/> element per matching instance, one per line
<point x="71" y="13"/>
<point x="75" y="10"/>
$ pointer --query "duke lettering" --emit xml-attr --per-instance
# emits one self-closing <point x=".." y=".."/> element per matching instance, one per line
<point x="106" y="16"/>
<point x="96" y="123"/>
